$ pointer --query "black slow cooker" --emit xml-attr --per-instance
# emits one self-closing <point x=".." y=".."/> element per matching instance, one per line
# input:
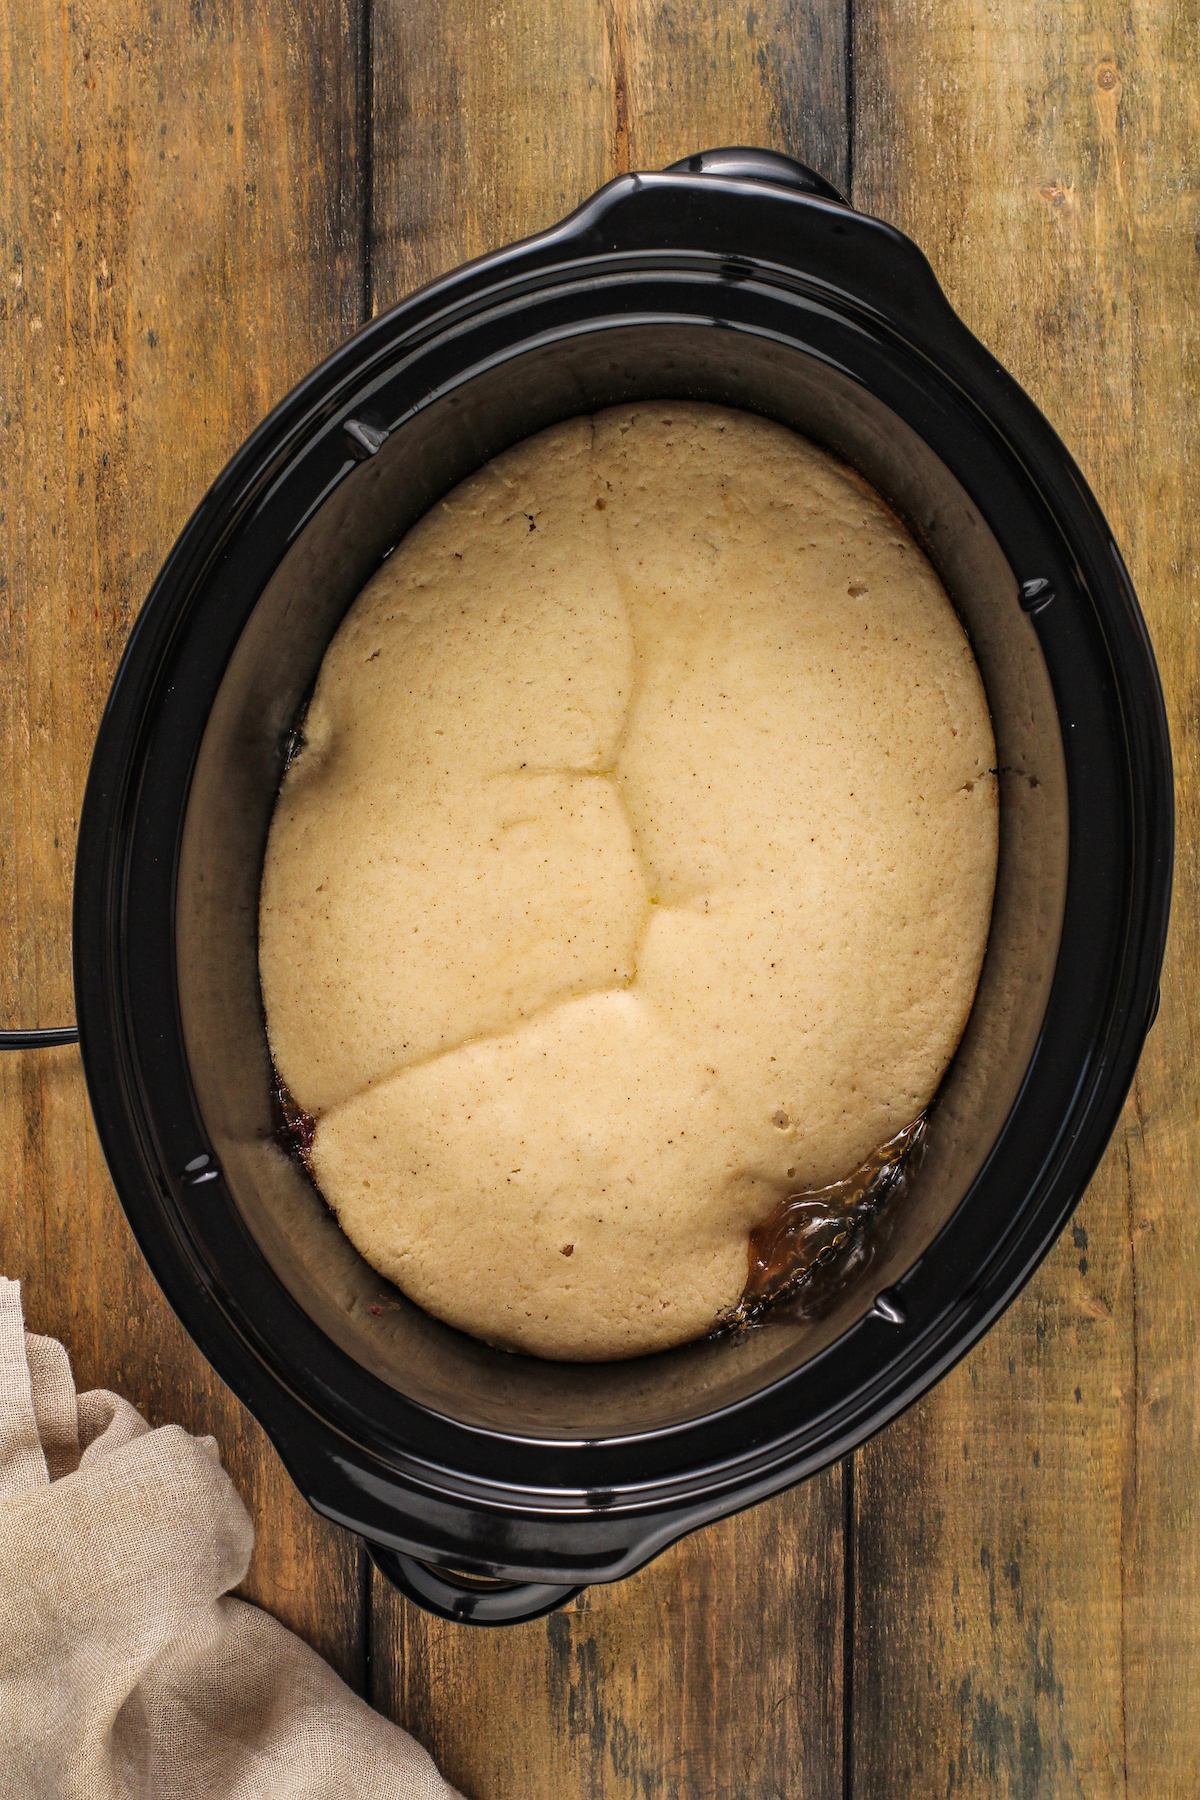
<point x="490" y="1486"/>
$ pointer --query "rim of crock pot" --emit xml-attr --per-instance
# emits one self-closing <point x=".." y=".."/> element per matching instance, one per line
<point x="291" y="1409"/>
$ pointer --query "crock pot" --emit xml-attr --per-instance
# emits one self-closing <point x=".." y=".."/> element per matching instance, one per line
<point x="490" y="1486"/>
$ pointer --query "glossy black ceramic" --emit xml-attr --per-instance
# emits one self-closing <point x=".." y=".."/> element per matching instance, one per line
<point x="488" y="1485"/>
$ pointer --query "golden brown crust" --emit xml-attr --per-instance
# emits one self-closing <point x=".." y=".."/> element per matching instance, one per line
<point x="638" y="865"/>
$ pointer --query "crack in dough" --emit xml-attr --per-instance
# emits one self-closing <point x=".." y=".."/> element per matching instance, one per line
<point x="647" y="798"/>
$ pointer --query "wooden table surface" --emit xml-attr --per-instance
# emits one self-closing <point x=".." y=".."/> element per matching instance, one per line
<point x="1001" y="1594"/>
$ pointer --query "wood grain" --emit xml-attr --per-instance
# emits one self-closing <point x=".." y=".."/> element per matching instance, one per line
<point x="718" y="1671"/>
<point x="187" y="191"/>
<point x="701" y="75"/>
<point x="1028" y="1560"/>
<point x="493" y="122"/>
<point x="181" y="241"/>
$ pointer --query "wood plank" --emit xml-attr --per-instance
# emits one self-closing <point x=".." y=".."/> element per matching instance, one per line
<point x="487" y="123"/>
<point x="717" y="1671"/>
<point x="1028" y="1562"/>
<point x="181" y="241"/>
<point x="1147" y="100"/>
<point x="701" y="75"/>
<point x="490" y="123"/>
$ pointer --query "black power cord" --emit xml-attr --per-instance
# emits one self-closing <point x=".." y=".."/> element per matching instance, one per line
<point x="39" y="1040"/>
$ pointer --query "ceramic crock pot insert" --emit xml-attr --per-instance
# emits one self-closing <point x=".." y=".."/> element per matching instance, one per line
<point x="738" y="278"/>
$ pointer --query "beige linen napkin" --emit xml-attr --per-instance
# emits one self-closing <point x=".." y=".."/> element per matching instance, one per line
<point x="124" y="1672"/>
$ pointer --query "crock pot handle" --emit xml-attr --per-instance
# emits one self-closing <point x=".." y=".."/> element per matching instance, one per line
<point x="743" y="163"/>
<point x="467" y="1599"/>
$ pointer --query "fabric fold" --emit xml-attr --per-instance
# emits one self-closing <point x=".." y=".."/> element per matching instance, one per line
<point x="126" y="1671"/>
